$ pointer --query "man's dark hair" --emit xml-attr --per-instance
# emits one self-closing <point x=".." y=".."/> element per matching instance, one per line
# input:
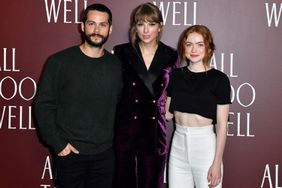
<point x="97" y="7"/>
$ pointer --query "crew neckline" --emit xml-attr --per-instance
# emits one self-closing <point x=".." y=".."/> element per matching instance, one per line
<point x="187" y="68"/>
<point x="89" y="57"/>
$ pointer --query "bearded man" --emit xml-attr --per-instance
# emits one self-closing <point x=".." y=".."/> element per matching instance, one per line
<point x="76" y="102"/>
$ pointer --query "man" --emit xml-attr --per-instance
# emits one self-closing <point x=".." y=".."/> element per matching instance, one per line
<point x="75" y="105"/>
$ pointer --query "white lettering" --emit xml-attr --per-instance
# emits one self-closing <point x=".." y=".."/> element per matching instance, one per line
<point x="161" y="7"/>
<point x="276" y="176"/>
<point x="14" y="88"/>
<point x="5" y="64"/>
<point x="248" y="125"/>
<point x="9" y="82"/>
<point x="53" y="10"/>
<point x="47" y="168"/>
<point x="229" y="124"/>
<point x="21" y="112"/>
<point x="213" y="63"/>
<point x="10" y="113"/>
<point x="253" y="94"/>
<point x="174" y="13"/>
<point x="177" y="12"/>
<point x="66" y="10"/>
<point x="236" y="94"/>
<point x="77" y="11"/>
<point x="267" y="175"/>
<point x="2" y="116"/>
<point x="45" y="186"/>
<point x="21" y="89"/>
<point x="186" y="12"/>
<point x="273" y="14"/>
<point x="240" y="127"/>
<point x="10" y="116"/>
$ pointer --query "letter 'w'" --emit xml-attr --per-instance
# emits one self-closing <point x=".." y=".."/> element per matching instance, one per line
<point x="52" y="10"/>
<point x="273" y="14"/>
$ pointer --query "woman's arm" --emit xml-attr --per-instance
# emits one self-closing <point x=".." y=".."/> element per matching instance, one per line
<point x="214" y="174"/>
<point x="168" y="115"/>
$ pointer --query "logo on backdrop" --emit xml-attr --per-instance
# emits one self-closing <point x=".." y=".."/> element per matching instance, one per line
<point x="177" y="13"/>
<point x="47" y="174"/>
<point x="273" y="14"/>
<point x="270" y="177"/>
<point x="17" y="90"/>
<point x="65" y="11"/>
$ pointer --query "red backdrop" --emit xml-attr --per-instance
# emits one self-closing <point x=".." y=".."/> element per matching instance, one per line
<point x="248" y="39"/>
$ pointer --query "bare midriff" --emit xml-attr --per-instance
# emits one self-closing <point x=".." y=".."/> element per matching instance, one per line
<point x="191" y="120"/>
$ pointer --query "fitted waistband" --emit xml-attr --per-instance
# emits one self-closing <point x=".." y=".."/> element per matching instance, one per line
<point x="195" y="130"/>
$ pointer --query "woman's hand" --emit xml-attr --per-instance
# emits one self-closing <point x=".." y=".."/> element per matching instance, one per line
<point x="168" y="116"/>
<point x="214" y="175"/>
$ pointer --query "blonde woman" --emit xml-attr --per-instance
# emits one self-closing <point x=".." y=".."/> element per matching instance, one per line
<point x="140" y="134"/>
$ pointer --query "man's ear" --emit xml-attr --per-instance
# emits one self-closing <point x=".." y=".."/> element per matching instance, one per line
<point x="82" y="27"/>
<point x="111" y="29"/>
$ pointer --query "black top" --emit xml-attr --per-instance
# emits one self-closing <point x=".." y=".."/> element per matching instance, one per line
<point x="198" y="93"/>
<point x="76" y="100"/>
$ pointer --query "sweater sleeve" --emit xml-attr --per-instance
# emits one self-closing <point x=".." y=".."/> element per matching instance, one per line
<point x="45" y="106"/>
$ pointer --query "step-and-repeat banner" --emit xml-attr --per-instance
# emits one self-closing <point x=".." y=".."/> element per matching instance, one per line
<point x="248" y="36"/>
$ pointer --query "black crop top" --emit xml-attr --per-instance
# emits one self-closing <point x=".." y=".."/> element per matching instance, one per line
<point x="198" y="93"/>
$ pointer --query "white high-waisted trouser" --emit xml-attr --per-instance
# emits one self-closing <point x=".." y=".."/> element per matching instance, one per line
<point x="192" y="153"/>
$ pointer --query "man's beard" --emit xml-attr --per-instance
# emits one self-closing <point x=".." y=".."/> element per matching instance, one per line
<point x="87" y="38"/>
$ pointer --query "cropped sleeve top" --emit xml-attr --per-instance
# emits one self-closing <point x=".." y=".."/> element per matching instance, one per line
<point x="198" y="93"/>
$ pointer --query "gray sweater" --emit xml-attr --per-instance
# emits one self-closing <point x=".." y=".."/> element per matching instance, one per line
<point x="76" y="101"/>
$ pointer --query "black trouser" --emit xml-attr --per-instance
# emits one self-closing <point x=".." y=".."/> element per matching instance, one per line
<point x="85" y="171"/>
<point x="142" y="171"/>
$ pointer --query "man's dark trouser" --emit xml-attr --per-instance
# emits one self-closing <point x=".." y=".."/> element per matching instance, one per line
<point x="85" y="171"/>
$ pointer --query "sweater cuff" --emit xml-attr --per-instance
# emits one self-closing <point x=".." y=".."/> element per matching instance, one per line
<point x="58" y="145"/>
